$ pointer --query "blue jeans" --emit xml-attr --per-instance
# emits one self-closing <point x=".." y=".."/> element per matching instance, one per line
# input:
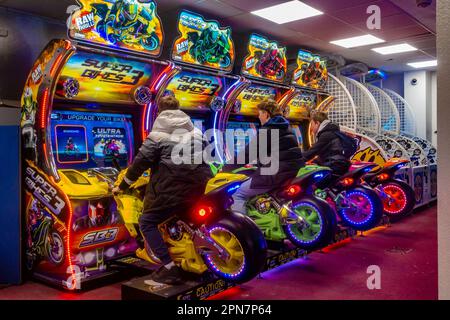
<point x="243" y="194"/>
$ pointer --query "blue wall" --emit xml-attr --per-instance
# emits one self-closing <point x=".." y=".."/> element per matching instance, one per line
<point x="395" y="82"/>
<point x="10" y="213"/>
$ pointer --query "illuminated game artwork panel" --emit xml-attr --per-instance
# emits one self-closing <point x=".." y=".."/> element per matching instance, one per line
<point x="253" y="95"/>
<point x="300" y="106"/>
<point x="265" y="60"/>
<point x="83" y="140"/>
<point x="129" y="25"/>
<point x="311" y="71"/>
<point x="203" y="43"/>
<point x="103" y="78"/>
<point x="198" y="91"/>
<point x="243" y="133"/>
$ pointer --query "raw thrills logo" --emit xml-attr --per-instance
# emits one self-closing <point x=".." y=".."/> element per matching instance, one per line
<point x="263" y="149"/>
<point x="43" y="191"/>
<point x="85" y="22"/>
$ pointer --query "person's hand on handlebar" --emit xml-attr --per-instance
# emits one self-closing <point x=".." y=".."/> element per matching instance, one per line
<point x="116" y="191"/>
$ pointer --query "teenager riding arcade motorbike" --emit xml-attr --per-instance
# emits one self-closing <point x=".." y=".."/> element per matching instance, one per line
<point x="209" y="237"/>
<point x="397" y="196"/>
<point x="358" y="206"/>
<point x="292" y="211"/>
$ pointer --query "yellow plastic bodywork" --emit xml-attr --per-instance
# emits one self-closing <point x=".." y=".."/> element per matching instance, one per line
<point x="222" y="179"/>
<point x="81" y="185"/>
<point x="182" y="251"/>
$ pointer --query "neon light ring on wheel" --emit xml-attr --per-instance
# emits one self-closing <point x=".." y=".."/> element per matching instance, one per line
<point x="396" y="199"/>
<point x="362" y="208"/>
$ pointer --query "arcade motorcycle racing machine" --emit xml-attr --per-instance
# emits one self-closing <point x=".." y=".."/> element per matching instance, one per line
<point x="85" y="111"/>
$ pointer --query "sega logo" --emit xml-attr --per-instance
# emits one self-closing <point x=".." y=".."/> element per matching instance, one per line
<point x="97" y="237"/>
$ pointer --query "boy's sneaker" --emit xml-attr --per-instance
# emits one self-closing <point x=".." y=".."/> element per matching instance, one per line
<point x="170" y="276"/>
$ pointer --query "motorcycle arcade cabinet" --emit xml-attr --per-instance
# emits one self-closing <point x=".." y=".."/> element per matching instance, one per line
<point x="205" y="54"/>
<point x="264" y="69"/>
<point x="309" y="79"/>
<point x="84" y="114"/>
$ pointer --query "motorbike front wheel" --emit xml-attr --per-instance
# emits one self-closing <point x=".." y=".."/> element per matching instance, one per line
<point x="360" y="208"/>
<point x="398" y="199"/>
<point x="245" y="245"/>
<point x="319" y="227"/>
<point x="150" y="43"/>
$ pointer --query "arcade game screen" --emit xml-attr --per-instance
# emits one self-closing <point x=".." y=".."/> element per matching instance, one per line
<point x="83" y="140"/>
<point x="243" y="133"/>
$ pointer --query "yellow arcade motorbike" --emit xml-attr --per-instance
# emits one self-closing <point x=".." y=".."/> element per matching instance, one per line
<point x="209" y="237"/>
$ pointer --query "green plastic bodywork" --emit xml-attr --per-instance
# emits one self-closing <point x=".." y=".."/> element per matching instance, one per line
<point x="270" y="223"/>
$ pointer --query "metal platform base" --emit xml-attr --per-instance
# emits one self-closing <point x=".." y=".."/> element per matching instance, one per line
<point x="209" y="285"/>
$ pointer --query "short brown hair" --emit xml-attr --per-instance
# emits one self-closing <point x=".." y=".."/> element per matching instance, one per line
<point x="168" y="103"/>
<point x="319" y="116"/>
<point x="271" y="107"/>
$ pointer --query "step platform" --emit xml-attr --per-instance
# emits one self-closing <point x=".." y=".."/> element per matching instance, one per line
<point x="208" y="285"/>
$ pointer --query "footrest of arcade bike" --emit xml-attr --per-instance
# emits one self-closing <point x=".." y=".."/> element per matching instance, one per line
<point x="206" y="286"/>
<point x="195" y="289"/>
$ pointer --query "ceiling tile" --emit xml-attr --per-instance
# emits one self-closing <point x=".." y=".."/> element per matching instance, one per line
<point x="398" y="34"/>
<point x="391" y="23"/>
<point x="358" y="13"/>
<point x="330" y="6"/>
<point x="218" y="8"/>
<point x="252" y="5"/>
<point x="324" y="27"/>
<point x="249" y="22"/>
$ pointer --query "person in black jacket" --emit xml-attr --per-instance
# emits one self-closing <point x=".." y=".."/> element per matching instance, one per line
<point x="328" y="146"/>
<point x="287" y="153"/>
<point x="173" y="187"/>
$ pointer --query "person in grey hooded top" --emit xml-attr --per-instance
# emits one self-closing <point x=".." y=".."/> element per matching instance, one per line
<point x="174" y="187"/>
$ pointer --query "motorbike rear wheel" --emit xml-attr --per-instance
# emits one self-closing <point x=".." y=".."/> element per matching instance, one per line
<point x="398" y="199"/>
<point x="245" y="245"/>
<point x="361" y="209"/>
<point x="321" y="224"/>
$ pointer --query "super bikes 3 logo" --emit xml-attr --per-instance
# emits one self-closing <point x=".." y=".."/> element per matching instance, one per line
<point x="111" y="72"/>
<point x="257" y="94"/>
<point x="197" y="85"/>
<point x="99" y="237"/>
<point x="42" y="190"/>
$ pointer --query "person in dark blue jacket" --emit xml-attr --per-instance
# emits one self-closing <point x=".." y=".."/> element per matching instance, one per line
<point x="287" y="153"/>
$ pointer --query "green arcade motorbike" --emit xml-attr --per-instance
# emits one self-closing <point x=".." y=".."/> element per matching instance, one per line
<point x="293" y="212"/>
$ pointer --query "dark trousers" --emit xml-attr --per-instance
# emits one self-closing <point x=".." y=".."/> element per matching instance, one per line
<point x="148" y="223"/>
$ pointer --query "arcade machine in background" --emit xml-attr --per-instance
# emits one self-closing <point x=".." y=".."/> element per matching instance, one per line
<point x="206" y="53"/>
<point x="309" y="79"/>
<point x="265" y="66"/>
<point x="85" y="111"/>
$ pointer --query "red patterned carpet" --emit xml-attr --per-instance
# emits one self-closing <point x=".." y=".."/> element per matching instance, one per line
<point x="405" y="252"/>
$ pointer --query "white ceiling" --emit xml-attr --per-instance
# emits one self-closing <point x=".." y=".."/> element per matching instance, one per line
<point x="402" y="21"/>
